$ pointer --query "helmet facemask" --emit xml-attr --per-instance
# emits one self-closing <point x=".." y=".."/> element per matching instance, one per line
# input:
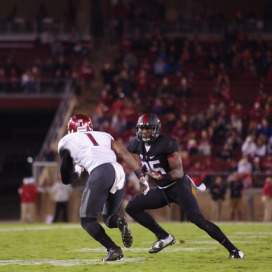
<point x="149" y="122"/>
<point x="154" y="133"/>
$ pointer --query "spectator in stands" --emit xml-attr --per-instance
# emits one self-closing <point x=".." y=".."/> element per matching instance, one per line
<point x="132" y="62"/>
<point x="260" y="146"/>
<point x="269" y="146"/>
<point x="225" y="154"/>
<point x="28" y="193"/>
<point x="234" y="140"/>
<point x="180" y="129"/>
<point x="58" y="81"/>
<point x="61" y="194"/>
<point x="236" y="123"/>
<point x="28" y="82"/>
<point x="264" y="128"/>
<point x="249" y="146"/>
<point x="256" y="114"/>
<point x="106" y="95"/>
<point x="222" y="76"/>
<point x="192" y="146"/>
<point x="64" y="67"/>
<point x="100" y="115"/>
<point x="170" y="121"/>
<point x="173" y="67"/>
<point x="217" y="191"/>
<point x="232" y="166"/>
<point x="159" y="68"/>
<point x="130" y="113"/>
<point x="48" y="67"/>
<point x="245" y="170"/>
<point x="124" y="81"/>
<point x="79" y="50"/>
<point x="118" y="122"/>
<point x="146" y="65"/>
<point x="236" y="188"/>
<point x="184" y="88"/>
<point x="140" y="103"/>
<point x="267" y="164"/>
<point x="165" y="89"/>
<point x="198" y="121"/>
<point x="158" y="106"/>
<point x="267" y="199"/>
<point x="210" y="73"/>
<point x="204" y="146"/>
<point x="142" y="82"/>
<point x="47" y="38"/>
<point x="256" y="166"/>
<point x="108" y="73"/>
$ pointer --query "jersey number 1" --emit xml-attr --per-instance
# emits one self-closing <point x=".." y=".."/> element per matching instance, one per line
<point x="90" y="136"/>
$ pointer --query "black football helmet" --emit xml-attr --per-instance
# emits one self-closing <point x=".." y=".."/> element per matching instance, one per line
<point x="148" y="121"/>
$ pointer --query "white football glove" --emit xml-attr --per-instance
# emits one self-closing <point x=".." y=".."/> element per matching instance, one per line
<point x="78" y="169"/>
<point x="143" y="184"/>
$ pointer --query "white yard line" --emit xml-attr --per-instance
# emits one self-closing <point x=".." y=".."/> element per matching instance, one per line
<point x="46" y="227"/>
<point x="135" y="249"/>
<point x="68" y="262"/>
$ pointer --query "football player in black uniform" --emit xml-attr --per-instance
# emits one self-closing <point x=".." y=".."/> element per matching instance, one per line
<point x="161" y="162"/>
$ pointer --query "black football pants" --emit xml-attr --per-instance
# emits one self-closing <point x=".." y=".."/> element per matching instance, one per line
<point x="181" y="194"/>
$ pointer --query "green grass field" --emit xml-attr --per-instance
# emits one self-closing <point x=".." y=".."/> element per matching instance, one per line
<point x="67" y="247"/>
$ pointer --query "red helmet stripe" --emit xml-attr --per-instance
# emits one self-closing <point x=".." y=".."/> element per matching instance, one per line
<point x="145" y="118"/>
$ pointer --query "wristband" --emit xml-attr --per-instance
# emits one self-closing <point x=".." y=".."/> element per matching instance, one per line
<point x="166" y="176"/>
<point x="138" y="173"/>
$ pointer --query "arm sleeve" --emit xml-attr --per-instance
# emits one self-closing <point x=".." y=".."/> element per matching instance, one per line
<point x="68" y="175"/>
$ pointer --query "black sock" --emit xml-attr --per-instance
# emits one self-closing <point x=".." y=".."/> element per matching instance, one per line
<point x="215" y="232"/>
<point x="95" y="230"/>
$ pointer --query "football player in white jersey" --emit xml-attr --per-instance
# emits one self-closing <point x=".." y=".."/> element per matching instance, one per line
<point x="97" y="152"/>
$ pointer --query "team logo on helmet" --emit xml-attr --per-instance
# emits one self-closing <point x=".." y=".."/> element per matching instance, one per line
<point x="79" y="123"/>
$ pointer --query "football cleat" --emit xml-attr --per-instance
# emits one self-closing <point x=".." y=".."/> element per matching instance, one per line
<point x="162" y="243"/>
<point x="236" y="254"/>
<point x="114" y="254"/>
<point x="125" y="231"/>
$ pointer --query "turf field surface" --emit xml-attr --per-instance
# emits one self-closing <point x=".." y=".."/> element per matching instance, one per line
<point x="67" y="247"/>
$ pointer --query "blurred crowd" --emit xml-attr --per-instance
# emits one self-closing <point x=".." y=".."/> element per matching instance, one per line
<point x="160" y="73"/>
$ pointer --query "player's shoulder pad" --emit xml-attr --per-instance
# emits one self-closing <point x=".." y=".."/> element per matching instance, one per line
<point x="63" y="141"/>
<point x="101" y="133"/>
<point x="133" y="145"/>
<point x="169" y="144"/>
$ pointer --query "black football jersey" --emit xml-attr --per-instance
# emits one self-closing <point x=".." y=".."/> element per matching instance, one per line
<point x="156" y="158"/>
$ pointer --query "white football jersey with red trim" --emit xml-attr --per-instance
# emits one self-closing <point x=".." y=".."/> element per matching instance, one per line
<point x="89" y="149"/>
